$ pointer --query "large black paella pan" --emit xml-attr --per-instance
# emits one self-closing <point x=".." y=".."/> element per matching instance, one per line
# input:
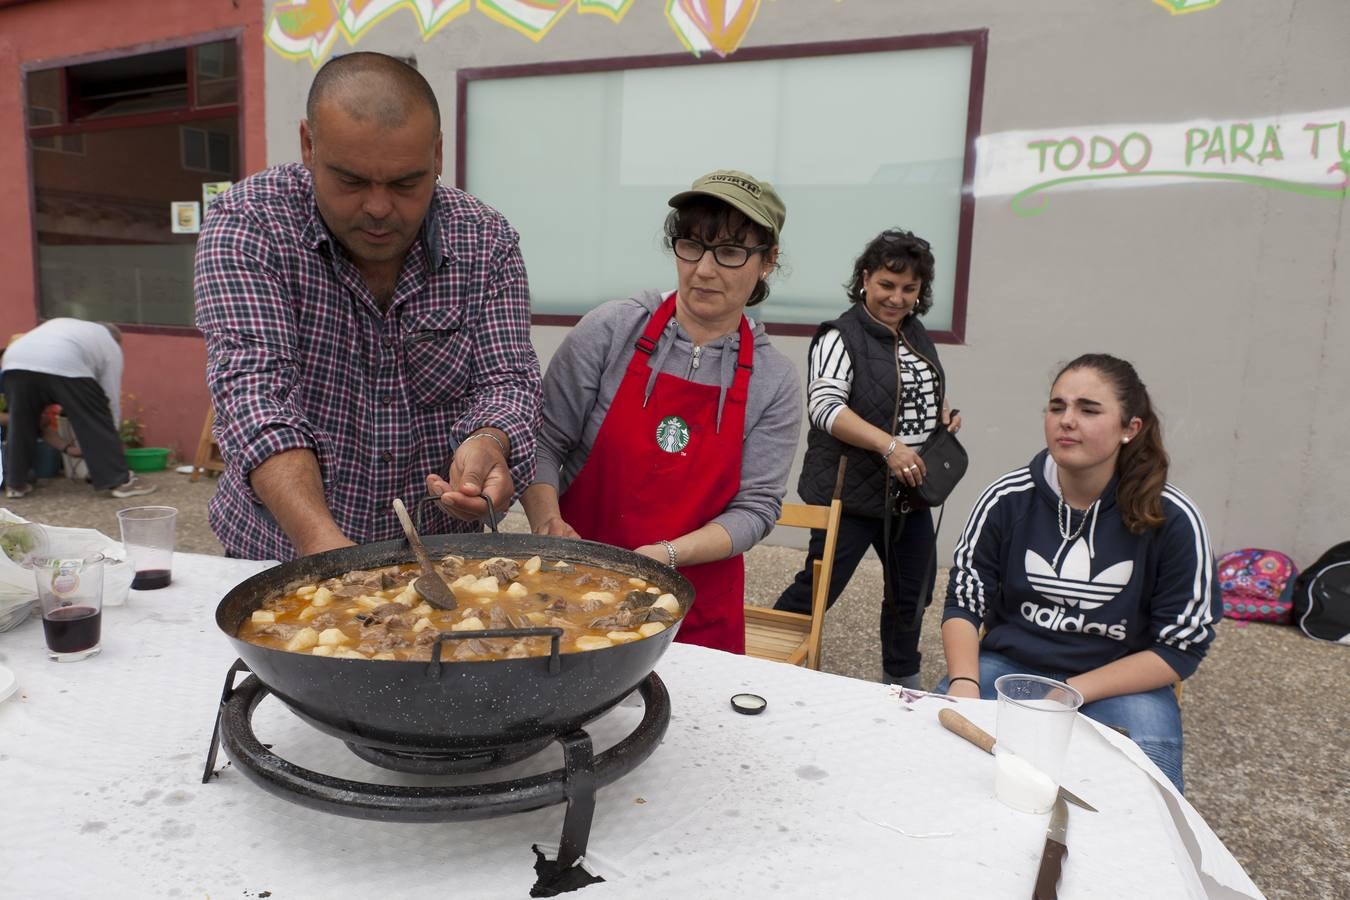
<point x="447" y="706"/>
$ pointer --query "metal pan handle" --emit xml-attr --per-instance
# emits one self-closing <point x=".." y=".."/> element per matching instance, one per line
<point x="554" y="635"/>
<point x="491" y="518"/>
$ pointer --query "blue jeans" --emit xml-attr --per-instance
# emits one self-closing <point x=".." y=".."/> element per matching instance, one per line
<point x="1152" y="718"/>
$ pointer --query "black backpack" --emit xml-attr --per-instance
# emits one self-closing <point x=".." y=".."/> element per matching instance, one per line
<point x="1322" y="597"/>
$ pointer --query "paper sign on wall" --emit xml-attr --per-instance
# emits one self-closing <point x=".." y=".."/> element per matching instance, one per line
<point x="185" y="217"/>
<point x="210" y="191"/>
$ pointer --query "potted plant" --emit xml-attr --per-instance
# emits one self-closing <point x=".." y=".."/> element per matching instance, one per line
<point x="140" y="458"/>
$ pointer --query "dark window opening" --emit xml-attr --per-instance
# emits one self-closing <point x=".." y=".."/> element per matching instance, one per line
<point x="116" y="143"/>
<point x="133" y="85"/>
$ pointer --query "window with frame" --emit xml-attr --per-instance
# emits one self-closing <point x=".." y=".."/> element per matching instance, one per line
<point x="856" y="136"/>
<point x="205" y="151"/>
<point x="39" y="116"/>
<point x="115" y="142"/>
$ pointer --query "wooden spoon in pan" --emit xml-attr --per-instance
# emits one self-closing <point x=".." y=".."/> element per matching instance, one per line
<point x="430" y="585"/>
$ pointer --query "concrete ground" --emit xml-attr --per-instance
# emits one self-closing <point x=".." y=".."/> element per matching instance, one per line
<point x="1267" y="723"/>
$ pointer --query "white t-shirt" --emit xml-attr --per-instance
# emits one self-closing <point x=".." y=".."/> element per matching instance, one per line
<point x="72" y="348"/>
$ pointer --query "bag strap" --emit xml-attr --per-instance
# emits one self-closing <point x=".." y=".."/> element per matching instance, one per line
<point x="926" y="587"/>
<point x="887" y="517"/>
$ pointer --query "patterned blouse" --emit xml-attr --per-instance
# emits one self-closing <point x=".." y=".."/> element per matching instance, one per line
<point x="831" y="379"/>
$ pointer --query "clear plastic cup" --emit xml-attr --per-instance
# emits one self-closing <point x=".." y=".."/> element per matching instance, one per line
<point x="71" y="594"/>
<point x="1035" y="723"/>
<point x="149" y="533"/>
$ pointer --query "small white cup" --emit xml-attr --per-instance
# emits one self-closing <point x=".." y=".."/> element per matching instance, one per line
<point x="71" y="594"/>
<point x="149" y="533"/>
<point x="1035" y="723"/>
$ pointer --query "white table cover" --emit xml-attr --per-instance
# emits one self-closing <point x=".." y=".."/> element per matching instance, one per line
<point x="840" y="786"/>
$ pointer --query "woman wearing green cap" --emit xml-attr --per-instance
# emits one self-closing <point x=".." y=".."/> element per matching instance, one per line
<point x="876" y="391"/>
<point x="652" y="404"/>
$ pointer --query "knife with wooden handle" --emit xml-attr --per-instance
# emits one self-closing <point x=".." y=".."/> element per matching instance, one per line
<point x="958" y="724"/>
<point x="1052" y="858"/>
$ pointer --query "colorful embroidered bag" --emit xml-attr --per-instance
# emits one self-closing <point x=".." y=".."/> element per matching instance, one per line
<point x="1258" y="585"/>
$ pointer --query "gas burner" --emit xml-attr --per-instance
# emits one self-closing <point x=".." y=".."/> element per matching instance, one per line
<point x="575" y="784"/>
<point x="437" y="762"/>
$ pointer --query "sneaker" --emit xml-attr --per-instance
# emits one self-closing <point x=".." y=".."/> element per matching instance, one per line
<point x="133" y="487"/>
<point x="13" y="493"/>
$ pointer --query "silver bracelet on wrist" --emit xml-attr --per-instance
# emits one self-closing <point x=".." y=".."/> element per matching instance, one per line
<point x="490" y="436"/>
<point x="670" y="551"/>
<point x="895" y="441"/>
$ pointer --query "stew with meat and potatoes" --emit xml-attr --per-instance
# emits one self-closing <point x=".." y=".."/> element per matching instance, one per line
<point x="378" y="614"/>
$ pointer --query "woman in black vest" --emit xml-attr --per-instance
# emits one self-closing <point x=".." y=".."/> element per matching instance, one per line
<point x="875" y="393"/>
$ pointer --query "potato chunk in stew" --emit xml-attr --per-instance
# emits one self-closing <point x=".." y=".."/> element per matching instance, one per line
<point x="376" y="613"/>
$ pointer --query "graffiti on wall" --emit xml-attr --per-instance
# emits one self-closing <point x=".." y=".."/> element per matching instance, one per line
<point x="309" y="29"/>
<point x="1176" y="7"/>
<point x="1302" y="153"/>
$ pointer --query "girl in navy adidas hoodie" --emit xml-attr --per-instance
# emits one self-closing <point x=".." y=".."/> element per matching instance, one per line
<point x="1087" y="566"/>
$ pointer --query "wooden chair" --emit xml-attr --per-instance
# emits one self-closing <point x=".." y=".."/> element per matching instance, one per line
<point x="208" y="458"/>
<point x="791" y="637"/>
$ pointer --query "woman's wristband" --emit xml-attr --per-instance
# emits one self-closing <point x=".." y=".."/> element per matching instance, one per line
<point x="890" y="448"/>
<point x="670" y="551"/>
<point x="974" y="681"/>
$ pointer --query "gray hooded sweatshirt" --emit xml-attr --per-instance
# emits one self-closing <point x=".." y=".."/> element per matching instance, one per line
<point x="584" y="376"/>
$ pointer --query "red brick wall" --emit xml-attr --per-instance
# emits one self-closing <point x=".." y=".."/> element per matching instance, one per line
<point x="166" y="371"/>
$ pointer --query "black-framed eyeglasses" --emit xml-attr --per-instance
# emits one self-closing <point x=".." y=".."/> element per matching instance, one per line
<point x="731" y="256"/>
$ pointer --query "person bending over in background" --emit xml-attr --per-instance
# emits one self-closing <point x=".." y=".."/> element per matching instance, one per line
<point x="1087" y="566"/>
<point x="875" y="392"/>
<point x="78" y="365"/>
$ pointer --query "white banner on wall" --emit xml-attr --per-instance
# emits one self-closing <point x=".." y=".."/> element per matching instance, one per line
<point x="1306" y="153"/>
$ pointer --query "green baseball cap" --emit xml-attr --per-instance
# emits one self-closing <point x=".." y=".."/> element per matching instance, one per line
<point x="757" y="199"/>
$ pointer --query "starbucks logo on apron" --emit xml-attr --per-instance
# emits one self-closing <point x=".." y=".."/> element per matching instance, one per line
<point x="672" y="435"/>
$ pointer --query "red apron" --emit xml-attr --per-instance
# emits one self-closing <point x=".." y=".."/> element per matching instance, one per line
<point x="662" y="469"/>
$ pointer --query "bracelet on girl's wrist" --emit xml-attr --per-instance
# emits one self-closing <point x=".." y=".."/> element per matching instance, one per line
<point x="974" y="681"/>
<point x="890" y="448"/>
<point x="670" y="551"/>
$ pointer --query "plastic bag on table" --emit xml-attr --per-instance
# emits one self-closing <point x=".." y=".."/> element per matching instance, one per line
<point x="19" y="541"/>
<point x="18" y="588"/>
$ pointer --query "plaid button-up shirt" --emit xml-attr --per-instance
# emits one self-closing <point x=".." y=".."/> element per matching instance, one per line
<point x="299" y="355"/>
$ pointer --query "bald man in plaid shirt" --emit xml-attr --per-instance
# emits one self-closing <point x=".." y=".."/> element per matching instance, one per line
<point x="367" y="330"/>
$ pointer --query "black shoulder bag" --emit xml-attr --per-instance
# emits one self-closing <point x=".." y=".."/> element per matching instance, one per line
<point x="945" y="462"/>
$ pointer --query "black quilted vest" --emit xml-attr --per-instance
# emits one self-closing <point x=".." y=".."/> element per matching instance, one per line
<point x="872" y="349"/>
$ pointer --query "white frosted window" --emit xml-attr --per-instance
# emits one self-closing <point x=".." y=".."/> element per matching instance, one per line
<point x="582" y="165"/>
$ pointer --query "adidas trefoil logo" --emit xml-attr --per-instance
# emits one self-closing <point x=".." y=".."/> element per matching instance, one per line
<point x="1073" y="585"/>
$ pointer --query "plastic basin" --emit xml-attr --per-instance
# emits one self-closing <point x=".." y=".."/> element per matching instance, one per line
<point x="147" y="459"/>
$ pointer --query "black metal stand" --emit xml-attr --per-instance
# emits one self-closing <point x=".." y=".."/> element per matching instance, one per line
<point x="583" y="773"/>
<point x="563" y="874"/>
<point x="578" y="764"/>
<point x="225" y="696"/>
